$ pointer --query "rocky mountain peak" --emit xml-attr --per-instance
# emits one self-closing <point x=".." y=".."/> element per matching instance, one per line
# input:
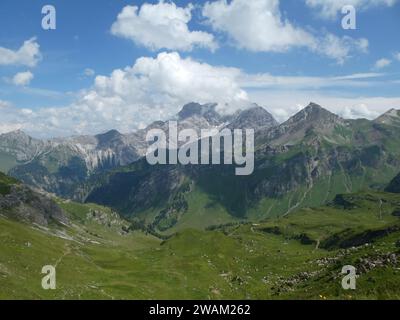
<point x="316" y="110"/>
<point x="313" y="117"/>
<point x="207" y="111"/>
<point x="16" y="135"/>
<point x="21" y="146"/>
<point x="112" y="134"/>
<point x="109" y="137"/>
<point x="314" y="106"/>
<point x="253" y="118"/>
<point x="391" y="117"/>
<point x="313" y="113"/>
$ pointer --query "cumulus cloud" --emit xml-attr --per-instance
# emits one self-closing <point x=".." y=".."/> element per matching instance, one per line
<point x="22" y="78"/>
<point x="6" y="127"/>
<point x="358" y="111"/>
<point x="284" y="103"/>
<point x="9" y="119"/>
<point x="397" y="56"/>
<point x="382" y="63"/>
<point x="27" y="55"/>
<point x="341" y="49"/>
<point x="161" y="26"/>
<point x="130" y="98"/>
<point x="330" y="8"/>
<point x="155" y="88"/>
<point x="258" y="26"/>
<point x="167" y="80"/>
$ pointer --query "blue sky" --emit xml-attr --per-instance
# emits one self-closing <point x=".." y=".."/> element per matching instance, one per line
<point x="280" y="54"/>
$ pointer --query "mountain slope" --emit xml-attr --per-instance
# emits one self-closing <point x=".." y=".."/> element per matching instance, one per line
<point x="263" y="236"/>
<point x="255" y="118"/>
<point x="297" y="257"/>
<point x="64" y="166"/>
<point x="306" y="161"/>
<point x="392" y="117"/>
<point x="394" y="185"/>
<point x="196" y="110"/>
<point x="20" y="202"/>
<point x="311" y="120"/>
<point x="17" y="147"/>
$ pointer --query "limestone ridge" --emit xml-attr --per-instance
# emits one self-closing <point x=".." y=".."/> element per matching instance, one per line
<point x="62" y="165"/>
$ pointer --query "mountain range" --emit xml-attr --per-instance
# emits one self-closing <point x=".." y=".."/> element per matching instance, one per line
<point x="61" y="165"/>
<point x="99" y="255"/>
<point x="325" y="193"/>
<point x="305" y="161"/>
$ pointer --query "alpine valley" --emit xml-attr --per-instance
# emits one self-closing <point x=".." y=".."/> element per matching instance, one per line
<point x="325" y="193"/>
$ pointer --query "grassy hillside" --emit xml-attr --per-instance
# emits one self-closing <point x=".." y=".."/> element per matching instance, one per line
<point x="308" y="174"/>
<point x="208" y="203"/>
<point x="298" y="256"/>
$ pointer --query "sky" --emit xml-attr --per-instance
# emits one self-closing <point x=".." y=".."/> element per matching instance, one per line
<point x="119" y="64"/>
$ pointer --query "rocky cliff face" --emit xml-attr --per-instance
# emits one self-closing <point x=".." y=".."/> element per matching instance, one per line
<point x="306" y="161"/>
<point x="207" y="112"/>
<point x="22" y="147"/>
<point x="22" y="203"/>
<point x="255" y="118"/>
<point x="392" y="117"/>
<point x="312" y="120"/>
<point x="394" y="185"/>
<point x="64" y="166"/>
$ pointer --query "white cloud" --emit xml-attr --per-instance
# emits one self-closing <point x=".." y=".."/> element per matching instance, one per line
<point x="397" y="56"/>
<point x="360" y="110"/>
<point x="161" y="26"/>
<point x="22" y="78"/>
<point x="28" y="54"/>
<point x="4" y="104"/>
<point x="329" y="9"/>
<point x="382" y="63"/>
<point x="89" y="72"/>
<point x="156" y="88"/>
<point x="268" y="81"/>
<point x="341" y="49"/>
<point x="284" y="103"/>
<point x="45" y="93"/>
<point x="152" y="89"/>
<point x="258" y="26"/>
<point x="167" y="80"/>
<point x="6" y="127"/>
<point x="8" y="123"/>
